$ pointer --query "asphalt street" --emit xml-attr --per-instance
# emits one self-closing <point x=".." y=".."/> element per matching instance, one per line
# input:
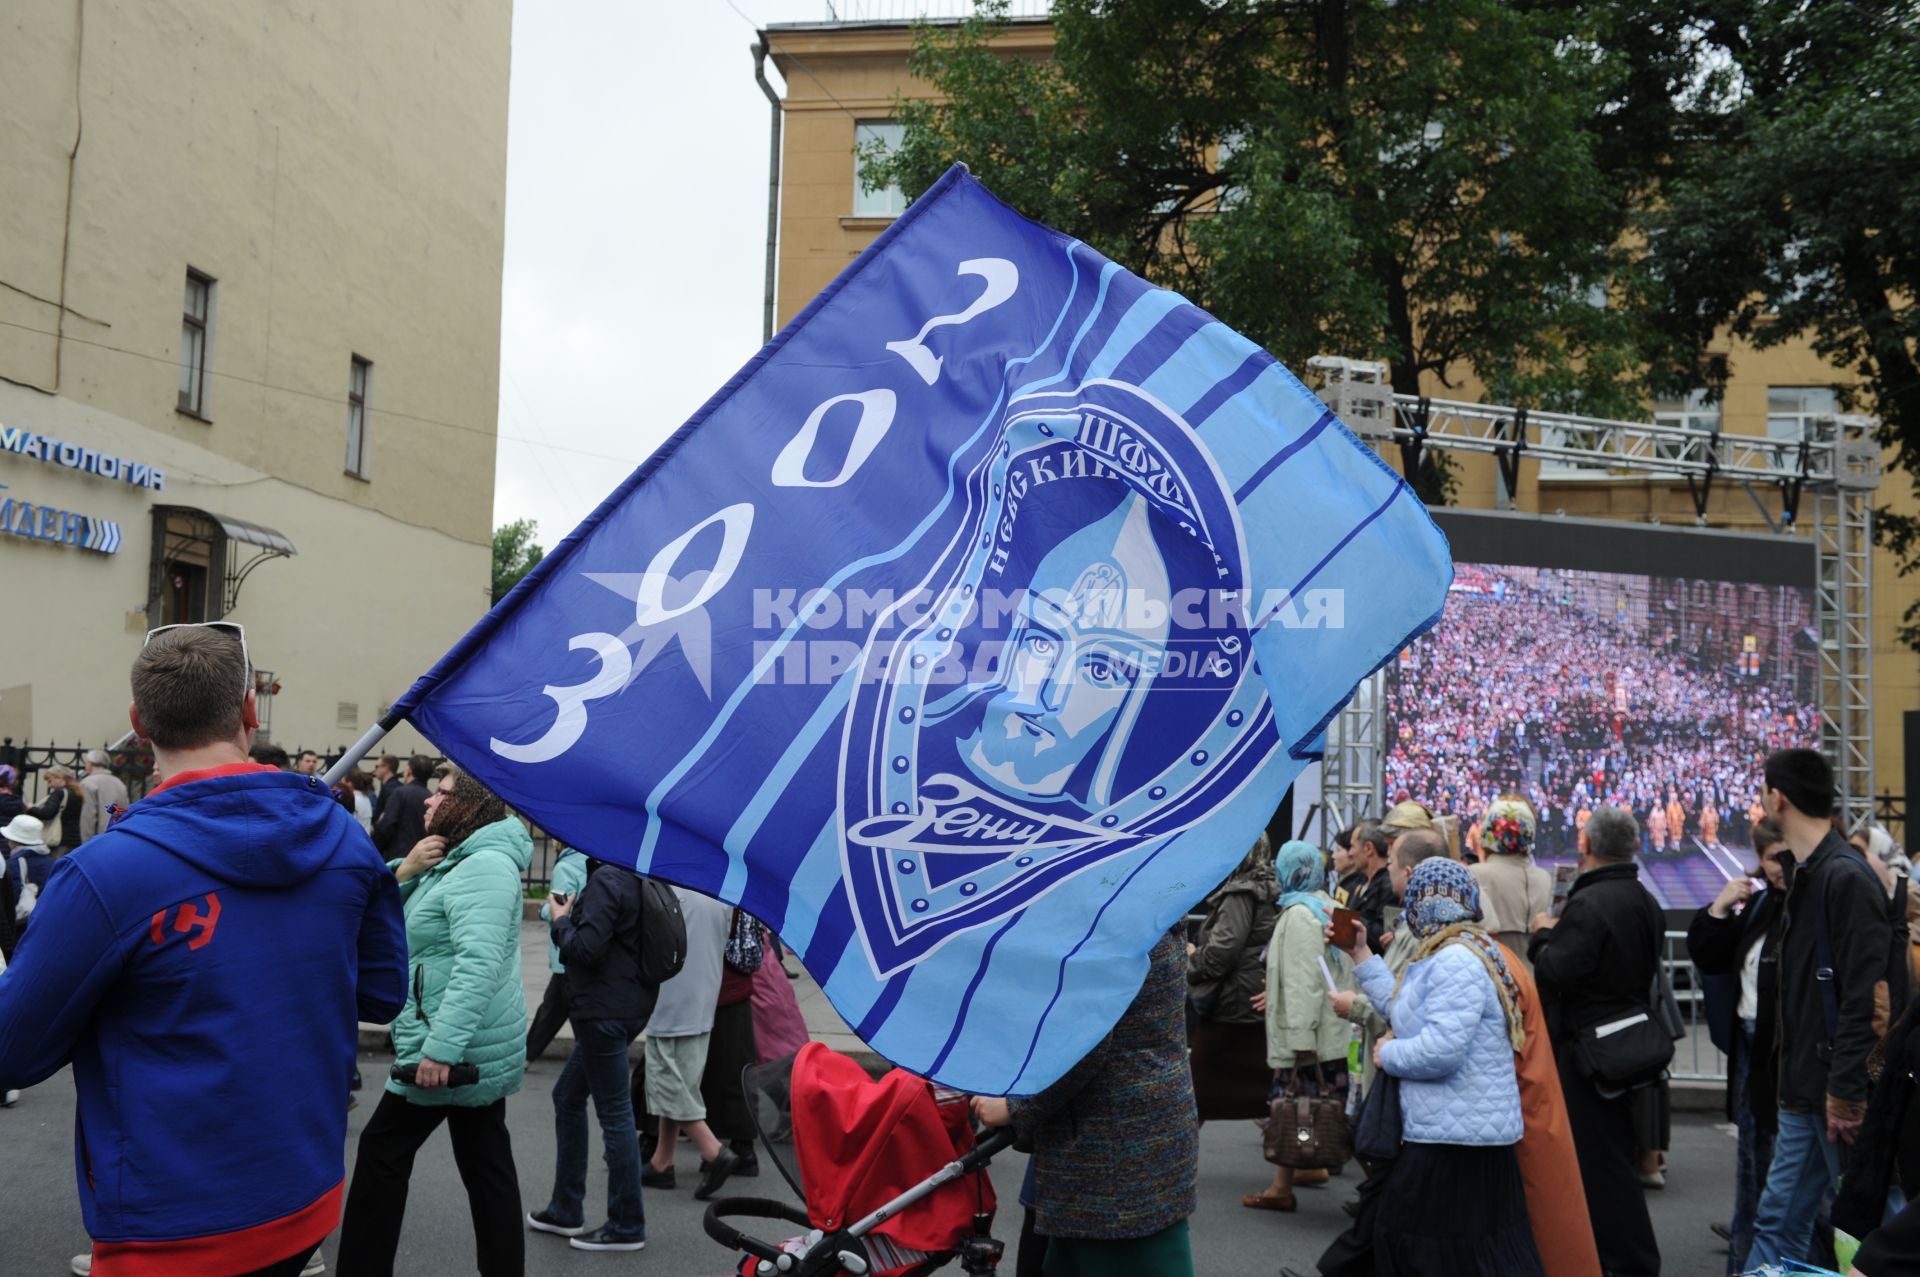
<point x="40" y="1226"/>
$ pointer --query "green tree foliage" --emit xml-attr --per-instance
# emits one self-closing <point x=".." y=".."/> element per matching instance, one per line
<point x="1799" y="214"/>
<point x="514" y="554"/>
<point x="1448" y="186"/>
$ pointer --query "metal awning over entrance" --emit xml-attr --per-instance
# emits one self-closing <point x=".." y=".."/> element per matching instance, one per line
<point x="193" y="547"/>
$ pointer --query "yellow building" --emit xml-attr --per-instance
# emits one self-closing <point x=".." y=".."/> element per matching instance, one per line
<point x="842" y="80"/>
<point x="250" y="264"/>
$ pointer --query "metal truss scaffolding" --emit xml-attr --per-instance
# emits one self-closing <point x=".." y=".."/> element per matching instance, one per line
<point x="1353" y="765"/>
<point x="1838" y="465"/>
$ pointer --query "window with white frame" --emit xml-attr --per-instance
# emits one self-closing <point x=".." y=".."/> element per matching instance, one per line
<point x="196" y="333"/>
<point x="358" y="378"/>
<point x="1695" y="412"/>
<point x="869" y="136"/>
<point x="1792" y="410"/>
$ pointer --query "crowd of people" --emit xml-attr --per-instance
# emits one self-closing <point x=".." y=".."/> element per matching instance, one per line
<point x="1489" y="1055"/>
<point x="1529" y="686"/>
<point x="397" y="898"/>
<point x="1520" y="1044"/>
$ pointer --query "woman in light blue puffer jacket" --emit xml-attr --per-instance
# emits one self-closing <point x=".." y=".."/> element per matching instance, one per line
<point x="1454" y="1205"/>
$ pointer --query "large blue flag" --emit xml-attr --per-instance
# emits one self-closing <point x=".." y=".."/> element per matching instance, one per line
<point x="968" y="636"/>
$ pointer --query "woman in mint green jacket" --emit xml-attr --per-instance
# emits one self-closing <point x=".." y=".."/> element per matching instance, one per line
<point x="461" y="887"/>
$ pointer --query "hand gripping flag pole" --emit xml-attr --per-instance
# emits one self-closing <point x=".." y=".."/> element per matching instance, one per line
<point x="968" y="636"/>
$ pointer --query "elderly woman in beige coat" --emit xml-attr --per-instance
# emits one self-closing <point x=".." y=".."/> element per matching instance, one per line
<point x="1303" y="1030"/>
<point x="1513" y="890"/>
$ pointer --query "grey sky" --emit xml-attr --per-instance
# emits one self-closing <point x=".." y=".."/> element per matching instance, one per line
<point x="636" y="236"/>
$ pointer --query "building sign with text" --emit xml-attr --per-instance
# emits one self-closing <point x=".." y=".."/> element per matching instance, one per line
<point x="37" y="521"/>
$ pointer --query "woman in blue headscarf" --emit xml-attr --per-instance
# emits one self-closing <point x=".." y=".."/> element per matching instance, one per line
<point x="1455" y="1205"/>
<point x="1306" y="1038"/>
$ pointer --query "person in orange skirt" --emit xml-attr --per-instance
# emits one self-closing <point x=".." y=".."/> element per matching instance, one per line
<point x="1556" y="1199"/>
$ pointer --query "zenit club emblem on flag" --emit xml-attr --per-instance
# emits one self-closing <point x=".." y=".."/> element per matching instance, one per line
<point x="968" y="637"/>
<point x="1101" y="725"/>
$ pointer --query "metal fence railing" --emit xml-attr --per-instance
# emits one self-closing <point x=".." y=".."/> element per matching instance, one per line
<point x="1695" y="1057"/>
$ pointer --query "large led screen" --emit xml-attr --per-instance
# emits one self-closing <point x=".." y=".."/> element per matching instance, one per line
<point x="1661" y="691"/>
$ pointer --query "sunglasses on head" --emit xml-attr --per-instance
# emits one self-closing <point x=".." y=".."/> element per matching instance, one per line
<point x="226" y="627"/>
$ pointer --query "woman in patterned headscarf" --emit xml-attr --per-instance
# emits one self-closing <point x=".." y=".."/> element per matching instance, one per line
<point x="1455" y="1205"/>
<point x="1512" y="888"/>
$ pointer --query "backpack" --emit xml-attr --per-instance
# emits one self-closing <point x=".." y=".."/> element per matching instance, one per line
<point x="663" y="932"/>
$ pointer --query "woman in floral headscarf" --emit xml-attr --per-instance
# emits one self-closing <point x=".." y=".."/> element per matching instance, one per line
<point x="1455" y="1205"/>
<point x="1512" y="888"/>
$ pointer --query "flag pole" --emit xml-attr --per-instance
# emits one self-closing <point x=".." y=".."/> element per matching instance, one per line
<point x="362" y="747"/>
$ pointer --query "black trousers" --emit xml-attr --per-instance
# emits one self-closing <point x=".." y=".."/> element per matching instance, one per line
<point x="552" y="1013"/>
<point x="1603" y="1141"/>
<point x="377" y="1198"/>
<point x="1351" y="1254"/>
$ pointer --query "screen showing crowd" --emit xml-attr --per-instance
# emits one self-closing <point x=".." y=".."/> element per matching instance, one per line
<point x="1578" y="689"/>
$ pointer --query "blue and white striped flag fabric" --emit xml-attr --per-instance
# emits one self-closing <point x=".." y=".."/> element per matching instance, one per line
<point x="968" y="636"/>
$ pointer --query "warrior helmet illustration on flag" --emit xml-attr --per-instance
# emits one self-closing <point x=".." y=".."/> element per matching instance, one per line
<point x="1054" y="707"/>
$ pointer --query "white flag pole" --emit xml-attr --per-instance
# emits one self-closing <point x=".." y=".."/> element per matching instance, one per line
<point x="361" y="748"/>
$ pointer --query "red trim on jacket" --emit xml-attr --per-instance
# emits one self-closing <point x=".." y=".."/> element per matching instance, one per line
<point x="236" y="1252"/>
<point x="208" y="773"/>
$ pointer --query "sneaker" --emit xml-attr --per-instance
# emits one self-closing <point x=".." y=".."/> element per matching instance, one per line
<point x="315" y="1266"/>
<point x="541" y="1221"/>
<point x="652" y="1178"/>
<point x="749" y="1167"/>
<point x="713" y="1174"/>
<point x="1653" y="1179"/>
<point x="7" y="1101"/>
<point x="83" y="1265"/>
<point x="604" y="1238"/>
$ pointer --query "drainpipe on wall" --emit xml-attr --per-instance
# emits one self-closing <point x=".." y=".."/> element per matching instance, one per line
<point x="773" y="185"/>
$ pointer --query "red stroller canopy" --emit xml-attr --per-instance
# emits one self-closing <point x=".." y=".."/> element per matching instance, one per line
<point x="862" y="1143"/>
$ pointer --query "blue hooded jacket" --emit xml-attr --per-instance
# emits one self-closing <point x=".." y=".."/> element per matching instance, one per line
<point x="204" y="965"/>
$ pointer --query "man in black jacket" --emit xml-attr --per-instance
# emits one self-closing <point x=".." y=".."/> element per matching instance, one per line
<point x="1595" y="966"/>
<point x="1738" y="953"/>
<point x="599" y="940"/>
<point x="1833" y="971"/>
<point x="402" y="818"/>
<point x="1372" y="845"/>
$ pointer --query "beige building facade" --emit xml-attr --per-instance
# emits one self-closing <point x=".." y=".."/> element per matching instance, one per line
<point x="842" y="80"/>
<point x="250" y="266"/>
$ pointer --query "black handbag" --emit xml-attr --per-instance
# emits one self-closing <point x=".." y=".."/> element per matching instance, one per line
<point x="1623" y="1053"/>
<point x="1376" y="1130"/>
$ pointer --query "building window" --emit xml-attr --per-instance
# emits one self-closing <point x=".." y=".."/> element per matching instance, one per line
<point x="358" y="377"/>
<point x="1694" y="412"/>
<point x="1791" y="414"/>
<point x="196" y="322"/>
<point x="876" y="139"/>
<point x="1792" y="410"/>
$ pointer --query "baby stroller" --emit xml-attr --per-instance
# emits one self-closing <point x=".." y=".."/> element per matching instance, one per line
<point x="893" y="1181"/>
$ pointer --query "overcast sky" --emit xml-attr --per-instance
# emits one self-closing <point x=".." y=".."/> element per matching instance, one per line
<point x="636" y="236"/>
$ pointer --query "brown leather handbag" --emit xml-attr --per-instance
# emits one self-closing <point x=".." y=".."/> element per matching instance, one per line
<point x="1309" y="1132"/>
